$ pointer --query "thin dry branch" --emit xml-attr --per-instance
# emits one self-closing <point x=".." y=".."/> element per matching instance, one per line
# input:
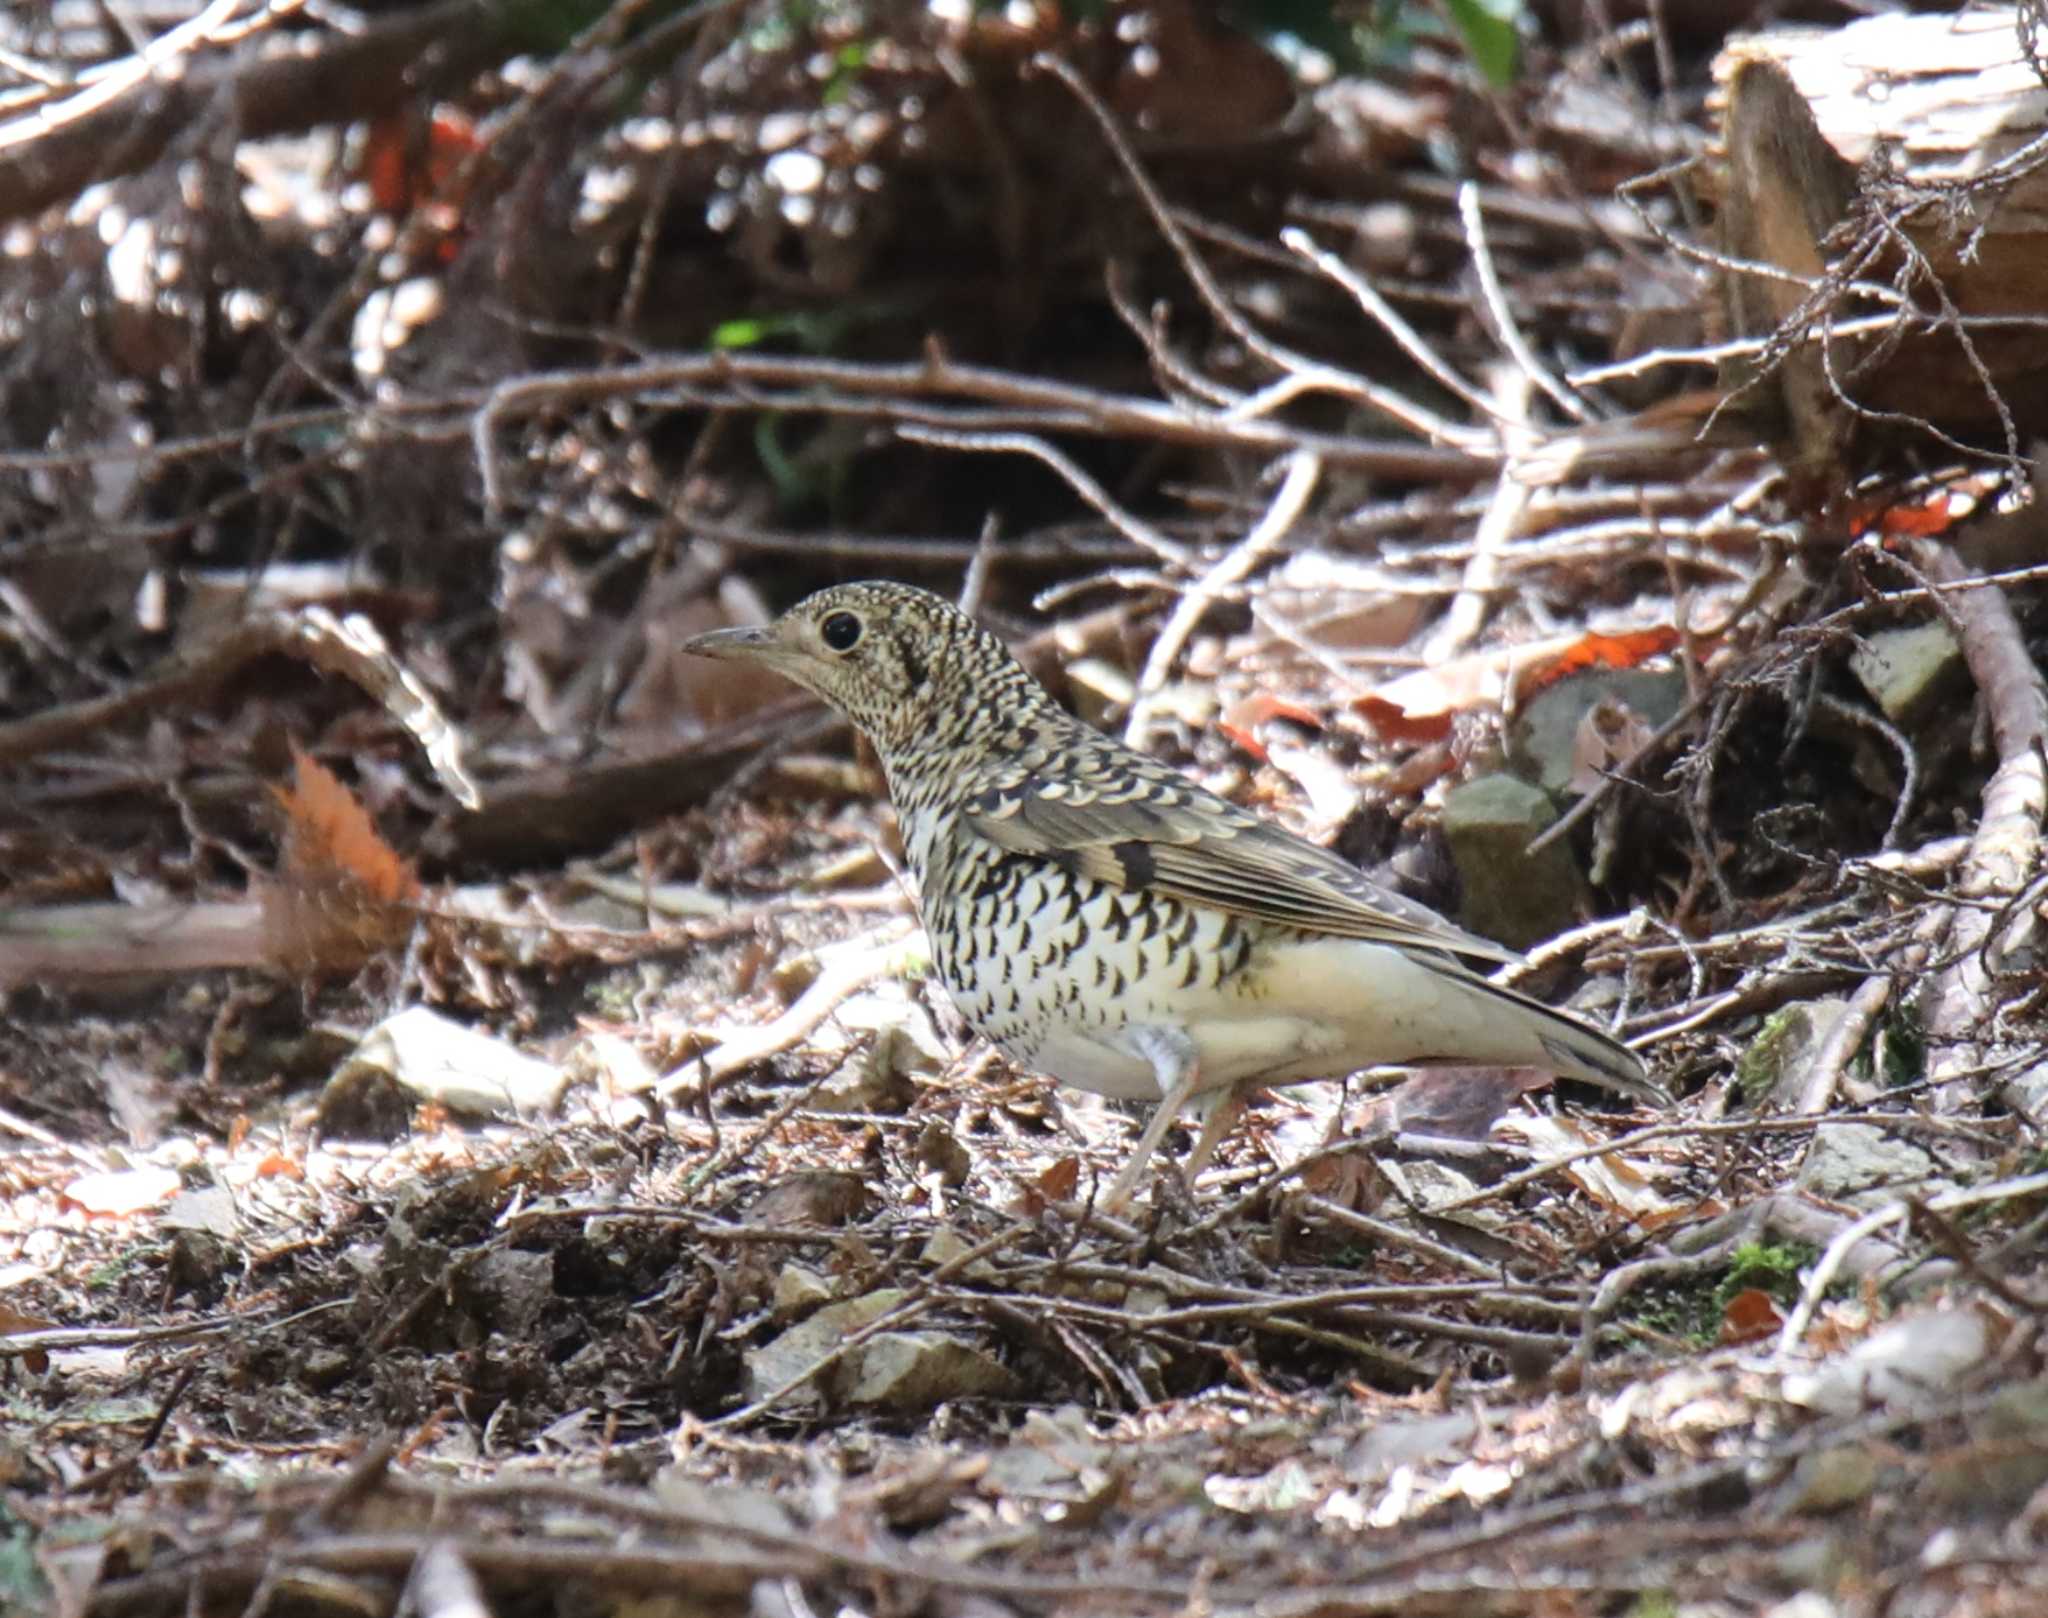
<point x="1505" y="515"/>
<point x="1299" y="372"/>
<point x="913" y="392"/>
<point x="344" y="78"/>
<point x="1297" y="487"/>
<point x="350" y="647"/>
<point x="2005" y="850"/>
<point x="1823" y="1274"/>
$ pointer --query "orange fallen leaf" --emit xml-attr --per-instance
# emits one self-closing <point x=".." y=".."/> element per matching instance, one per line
<point x="1629" y="649"/>
<point x="1924" y="519"/>
<point x="329" y="834"/>
<point x="1393" y="723"/>
<point x="409" y="170"/>
<point x="1241" y="720"/>
<point x="342" y="893"/>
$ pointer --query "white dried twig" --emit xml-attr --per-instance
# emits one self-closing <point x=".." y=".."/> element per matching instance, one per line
<point x="1304" y="468"/>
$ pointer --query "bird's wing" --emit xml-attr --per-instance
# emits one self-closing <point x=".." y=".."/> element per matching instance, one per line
<point x="1201" y="850"/>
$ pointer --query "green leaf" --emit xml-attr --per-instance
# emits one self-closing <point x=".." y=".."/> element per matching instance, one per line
<point x="742" y="333"/>
<point x="1488" y="29"/>
<point x="792" y="487"/>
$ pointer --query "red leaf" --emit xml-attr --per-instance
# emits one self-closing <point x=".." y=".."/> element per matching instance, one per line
<point x="1242" y="718"/>
<point x="1393" y="723"/>
<point x="1927" y="519"/>
<point x="1627" y="650"/>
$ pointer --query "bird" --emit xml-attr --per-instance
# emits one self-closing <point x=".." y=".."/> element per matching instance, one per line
<point x="1106" y="921"/>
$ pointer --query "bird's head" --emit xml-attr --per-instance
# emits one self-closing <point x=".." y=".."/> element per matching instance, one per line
<point x="904" y="665"/>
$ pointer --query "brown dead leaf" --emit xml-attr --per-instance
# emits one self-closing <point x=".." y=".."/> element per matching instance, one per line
<point x="1609" y="735"/>
<point x="1423" y="768"/>
<point x="818" y="1198"/>
<point x="13" y="1322"/>
<point x="1614" y="1181"/>
<point x="1349" y="1179"/>
<point x="925" y="1489"/>
<point x="940" y="1151"/>
<point x="1058" y="1183"/>
<point x="1751" y="1314"/>
<point x="1454" y="1103"/>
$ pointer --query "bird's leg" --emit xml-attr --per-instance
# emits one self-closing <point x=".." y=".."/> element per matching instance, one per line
<point x="1224" y="1108"/>
<point x="1178" y="1068"/>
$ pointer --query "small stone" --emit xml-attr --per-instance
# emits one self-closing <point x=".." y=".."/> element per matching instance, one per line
<point x="946" y="1244"/>
<point x="915" y="1370"/>
<point x="798" y="1290"/>
<point x="1829" y="1479"/>
<point x="1908" y="671"/>
<point x="1861" y="1165"/>
<point x="1510" y="894"/>
<point x="797" y="1350"/>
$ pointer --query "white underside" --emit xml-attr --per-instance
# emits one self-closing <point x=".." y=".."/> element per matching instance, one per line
<point x="1320" y="1008"/>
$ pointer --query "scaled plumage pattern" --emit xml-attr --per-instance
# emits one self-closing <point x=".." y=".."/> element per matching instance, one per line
<point x="1108" y="922"/>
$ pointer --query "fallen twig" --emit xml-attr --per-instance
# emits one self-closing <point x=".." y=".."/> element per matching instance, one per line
<point x="2005" y="849"/>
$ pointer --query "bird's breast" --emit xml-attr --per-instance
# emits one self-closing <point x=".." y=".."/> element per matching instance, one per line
<point x="1039" y="956"/>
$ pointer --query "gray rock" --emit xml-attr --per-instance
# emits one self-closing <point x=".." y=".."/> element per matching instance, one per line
<point x="1908" y="671"/>
<point x="1543" y="737"/>
<point x="1510" y="894"/>
<point x="1861" y="1165"/>
<point x="915" y="1370"/>
<point x="800" y="1349"/>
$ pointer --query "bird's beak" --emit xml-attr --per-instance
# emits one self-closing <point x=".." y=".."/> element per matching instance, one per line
<point x="736" y="644"/>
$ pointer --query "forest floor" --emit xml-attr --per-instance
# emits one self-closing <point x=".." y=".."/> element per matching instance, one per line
<point x="477" y="1128"/>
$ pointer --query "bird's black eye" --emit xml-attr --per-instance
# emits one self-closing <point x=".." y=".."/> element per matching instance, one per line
<point x="840" y="631"/>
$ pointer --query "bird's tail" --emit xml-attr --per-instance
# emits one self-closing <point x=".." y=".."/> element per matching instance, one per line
<point x="1579" y="1050"/>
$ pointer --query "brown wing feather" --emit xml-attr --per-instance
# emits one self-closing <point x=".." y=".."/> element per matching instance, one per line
<point x="1205" y="851"/>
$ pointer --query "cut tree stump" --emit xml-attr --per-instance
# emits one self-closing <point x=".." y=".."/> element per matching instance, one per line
<point x="1894" y="170"/>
